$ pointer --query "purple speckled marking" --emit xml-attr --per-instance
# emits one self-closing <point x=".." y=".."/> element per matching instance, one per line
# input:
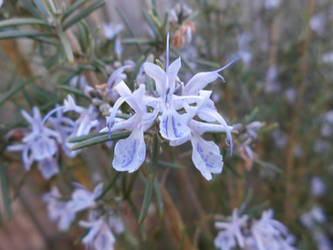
<point x="131" y="152"/>
<point x="205" y="158"/>
<point x="175" y="128"/>
<point x="166" y="125"/>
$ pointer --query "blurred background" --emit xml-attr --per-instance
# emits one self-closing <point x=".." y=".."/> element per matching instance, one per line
<point x="279" y="96"/>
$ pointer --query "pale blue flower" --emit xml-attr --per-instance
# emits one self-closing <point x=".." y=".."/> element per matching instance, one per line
<point x="312" y="217"/>
<point x="231" y="234"/>
<point x="130" y="153"/>
<point x="39" y="145"/>
<point x="83" y="198"/>
<point x="270" y="234"/>
<point x="272" y="4"/>
<point x="317" y="186"/>
<point x="58" y="210"/>
<point x="68" y="128"/>
<point x="111" y="30"/>
<point x="100" y="235"/>
<point x="175" y="126"/>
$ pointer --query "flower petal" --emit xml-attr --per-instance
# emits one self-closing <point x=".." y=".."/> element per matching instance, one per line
<point x="44" y="148"/>
<point x="27" y="157"/>
<point x="172" y="74"/>
<point x="158" y="75"/>
<point x="200" y="81"/>
<point x="130" y="153"/>
<point x="48" y="168"/>
<point x="173" y="126"/>
<point x="206" y="156"/>
<point x="105" y="239"/>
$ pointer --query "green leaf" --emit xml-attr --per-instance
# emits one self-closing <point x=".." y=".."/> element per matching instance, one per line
<point x="13" y="91"/>
<point x="83" y="13"/>
<point x="80" y="238"/>
<point x="72" y="90"/>
<point x="29" y="6"/>
<point x="268" y="165"/>
<point x="154" y="159"/>
<point x="40" y="5"/>
<point x="73" y="8"/>
<point x="146" y="202"/>
<point x="124" y="19"/>
<point x="22" y="33"/>
<point x="109" y="186"/>
<point x="86" y="137"/>
<point x="5" y="190"/>
<point x="67" y="46"/>
<point x="22" y="21"/>
<point x="130" y="185"/>
<point x="268" y="129"/>
<point x="130" y="41"/>
<point x="159" y="198"/>
<point x="135" y="72"/>
<point x="169" y="165"/>
<point x="152" y="25"/>
<point x="100" y="139"/>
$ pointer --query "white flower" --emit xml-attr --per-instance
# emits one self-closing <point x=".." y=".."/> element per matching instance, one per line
<point x="176" y="114"/>
<point x="67" y="128"/>
<point x="271" y="234"/>
<point x="244" y="52"/>
<point x="130" y="153"/>
<point x="317" y="23"/>
<point x="272" y="4"/>
<point x="83" y="198"/>
<point x="328" y="57"/>
<point x="317" y="187"/>
<point x="315" y="215"/>
<point x="323" y="242"/>
<point x="58" y="210"/>
<point x="231" y="234"/>
<point x="111" y="30"/>
<point x="100" y="236"/>
<point x="273" y="85"/>
<point x="39" y="145"/>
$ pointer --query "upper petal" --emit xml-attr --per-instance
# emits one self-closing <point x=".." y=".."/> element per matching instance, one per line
<point x="172" y="73"/>
<point x="200" y="81"/>
<point x="158" y="75"/>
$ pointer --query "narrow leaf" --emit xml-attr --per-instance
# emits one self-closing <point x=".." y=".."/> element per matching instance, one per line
<point x="67" y="46"/>
<point x="169" y="165"/>
<point x="83" y="13"/>
<point x="109" y="186"/>
<point x="86" y="137"/>
<point x="146" y="202"/>
<point x="21" y="21"/>
<point x="73" y="8"/>
<point x="5" y="190"/>
<point x="100" y="139"/>
<point x="159" y="198"/>
<point x="72" y="90"/>
<point x="22" y="33"/>
<point x="13" y="91"/>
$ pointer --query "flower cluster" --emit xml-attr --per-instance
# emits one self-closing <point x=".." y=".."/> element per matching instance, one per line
<point x="100" y="222"/>
<point x="263" y="234"/>
<point x="41" y="144"/>
<point x="184" y="111"/>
